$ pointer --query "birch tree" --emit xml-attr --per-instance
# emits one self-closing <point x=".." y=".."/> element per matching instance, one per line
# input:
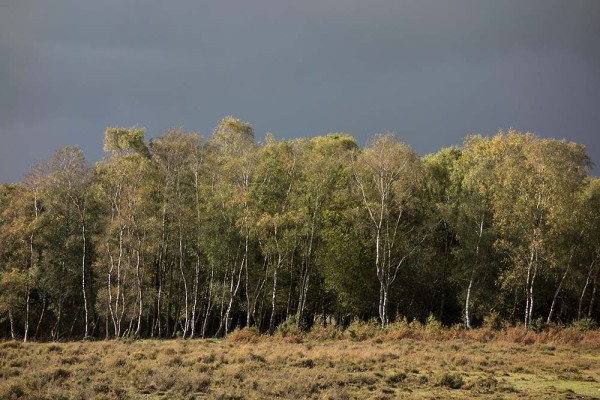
<point x="123" y="183"/>
<point x="474" y="180"/>
<point x="67" y="189"/>
<point x="532" y="177"/>
<point x="387" y="175"/>
<point x="233" y="141"/>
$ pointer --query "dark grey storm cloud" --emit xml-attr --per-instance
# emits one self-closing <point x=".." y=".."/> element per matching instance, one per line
<point x="432" y="71"/>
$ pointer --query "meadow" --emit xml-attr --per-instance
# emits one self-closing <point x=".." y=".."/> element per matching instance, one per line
<point x="361" y="362"/>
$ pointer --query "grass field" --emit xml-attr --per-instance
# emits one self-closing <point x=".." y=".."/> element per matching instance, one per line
<point x="249" y="367"/>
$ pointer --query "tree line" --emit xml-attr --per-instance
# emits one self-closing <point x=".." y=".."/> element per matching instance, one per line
<point x="185" y="237"/>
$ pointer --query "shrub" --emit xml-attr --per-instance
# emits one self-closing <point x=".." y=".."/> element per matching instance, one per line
<point x="451" y="381"/>
<point x="415" y="325"/>
<point x="433" y="324"/>
<point x="289" y="330"/>
<point x="287" y="327"/>
<point x="11" y="345"/>
<point x="202" y="382"/>
<point x="13" y="391"/>
<point x="433" y="327"/>
<point x="257" y="358"/>
<point x="320" y="332"/>
<point x="517" y="334"/>
<point x="100" y="387"/>
<point x="537" y="325"/>
<point x="493" y="321"/>
<point x="58" y="374"/>
<point x="397" y="330"/>
<point x="485" y="385"/>
<point x="53" y="348"/>
<point x="245" y="335"/>
<point x="163" y="379"/>
<point x="584" y="325"/>
<point x="482" y="335"/>
<point x="359" y="330"/>
<point x="305" y="363"/>
<point x="396" y="378"/>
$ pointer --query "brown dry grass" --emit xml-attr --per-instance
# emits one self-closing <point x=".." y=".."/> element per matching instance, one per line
<point x="324" y="364"/>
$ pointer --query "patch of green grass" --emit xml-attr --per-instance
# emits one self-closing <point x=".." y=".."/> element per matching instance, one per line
<point x="543" y="386"/>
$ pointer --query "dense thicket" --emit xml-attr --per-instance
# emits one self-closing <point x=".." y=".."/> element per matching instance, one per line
<point x="189" y="237"/>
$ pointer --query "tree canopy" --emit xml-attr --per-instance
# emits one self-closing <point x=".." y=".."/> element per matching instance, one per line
<point x="189" y="236"/>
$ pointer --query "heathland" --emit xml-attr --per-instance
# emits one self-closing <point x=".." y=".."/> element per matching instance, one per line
<point x="364" y="362"/>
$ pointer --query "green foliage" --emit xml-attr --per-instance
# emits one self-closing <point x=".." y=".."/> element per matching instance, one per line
<point x="125" y="140"/>
<point x="585" y="324"/>
<point x="451" y="380"/>
<point x="185" y="236"/>
<point x="432" y="324"/>
<point x="537" y="324"/>
<point x="493" y="321"/>
<point x="13" y="287"/>
<point x="289" y="327"/>
<point x="360" y="330"/>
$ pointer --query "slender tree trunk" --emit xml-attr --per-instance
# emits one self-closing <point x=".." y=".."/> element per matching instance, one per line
<point x="140" y="298"/>
<point x="232" y="293"/>
<point x="158" y="297"/>
<point x="74" y="323"/>
<point x="119" y="285"/>
<point x="303" y="294"/>
<point x="530" y="313"/>
<point x="177" y="309"/>
<point x="384" y="306"/>
<point x="444" y="267"/>
<point x="13" y="335"/>
<point x="473" y="272"/>
<point x="195" y="295"/>
<point x="109" y="290"/>
<point x="37" y="328"/>
<point x="468" y="301"/>
<point x="160" y="273"/>
<point x="222" y="305"/>
<point x="305" y="280"/>
<point x="185" y="287"/>
<point x="27" y="305"/>
<point x="303" y="291"/>
<point x="232" y="296"/>
<point x="257" y="296"/>
<point x="593" y="297"/>
<point x="379" y="275"/>
<point x="273" y="297"/>
<point x="527" y="297"/>
<point x="515" y="302"/>
<point x="83" y="272"/>
<point x="381" y="312"/>
<point x="56" y="332"/>
<point x="528" y="290"/>
<point x="289" y="305"/>
<point x="587" y="282"/>
<point x="115" y="313"/>
<point x="246" y="249"/>
<point x="168" y="330"/>
<point x="556" y="293"/>
<point x="120" y="317"/>
<point x="95" y="325"/>
<point x="195" y="319"/>
<point x="29" y="266"/>
<point x="107" y="324"/>
<point x="209" y="302"/>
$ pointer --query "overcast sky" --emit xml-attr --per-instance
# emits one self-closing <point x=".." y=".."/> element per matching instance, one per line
<point x="431" y="71"/>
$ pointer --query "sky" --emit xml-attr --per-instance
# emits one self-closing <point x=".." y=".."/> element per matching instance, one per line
<point x="430" y="71"/>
